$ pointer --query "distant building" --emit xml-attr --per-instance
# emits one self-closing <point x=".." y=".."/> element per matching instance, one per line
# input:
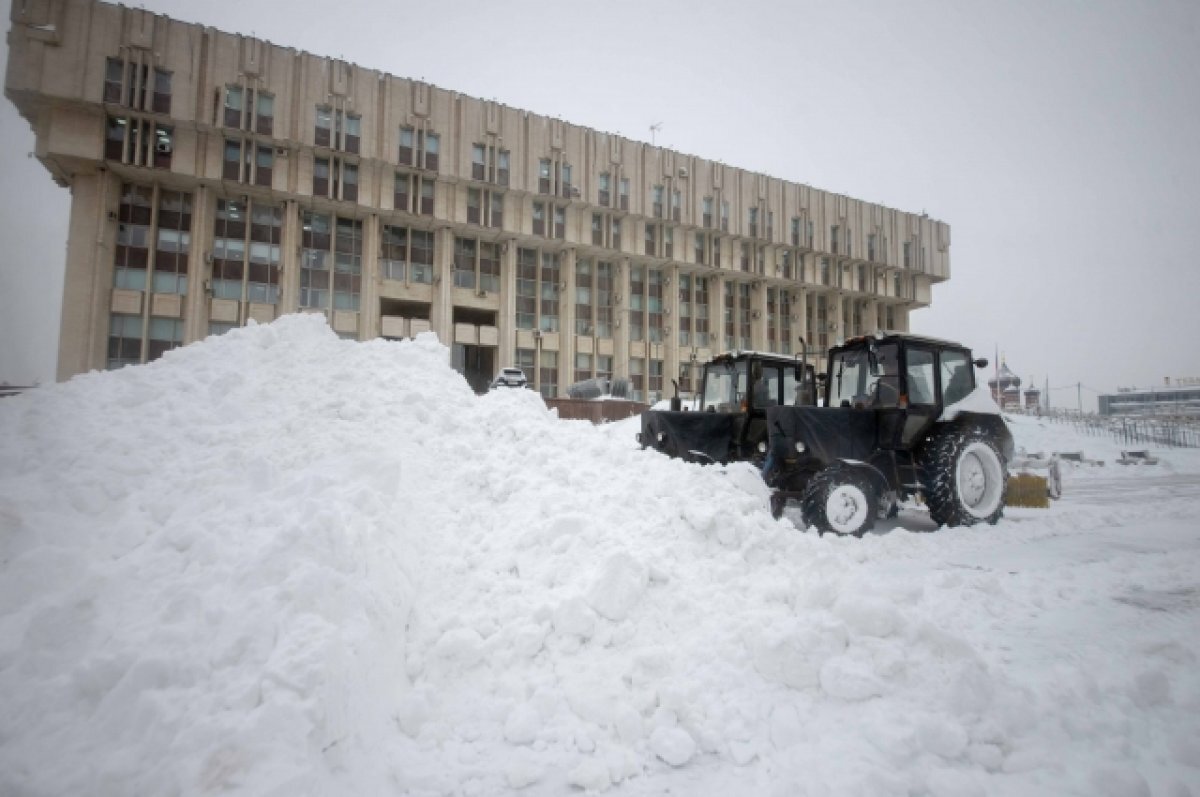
<point x="1006" y="388"/>
<point x="1181" y="400"/>
<point x="1033" y="398"/>
<point x="217" y="178"/>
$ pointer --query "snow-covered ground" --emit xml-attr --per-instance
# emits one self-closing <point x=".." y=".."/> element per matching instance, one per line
<point x="279" y="563"/>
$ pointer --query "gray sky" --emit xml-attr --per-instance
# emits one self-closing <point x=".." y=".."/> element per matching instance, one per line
<point x="1060" y="141"/>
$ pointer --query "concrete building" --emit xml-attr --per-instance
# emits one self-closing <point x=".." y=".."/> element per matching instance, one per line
<point x="1179" y="400"/>
<point x="217" y="178"/>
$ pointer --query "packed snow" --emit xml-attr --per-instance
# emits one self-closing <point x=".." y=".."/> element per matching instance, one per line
<point x="280" y="563"/>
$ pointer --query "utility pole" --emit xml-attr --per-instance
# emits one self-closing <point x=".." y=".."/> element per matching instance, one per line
<point x="1079" y="395"/>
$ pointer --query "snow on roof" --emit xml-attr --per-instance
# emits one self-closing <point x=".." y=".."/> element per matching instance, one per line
<point x="279" y="562"/>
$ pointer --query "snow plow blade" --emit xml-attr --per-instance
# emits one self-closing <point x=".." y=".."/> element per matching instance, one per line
<point x="1028" y="491"/>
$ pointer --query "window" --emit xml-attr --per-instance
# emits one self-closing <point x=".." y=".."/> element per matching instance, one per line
<point x="316" y="262"/>
<point x="724" y="216"/>
<point x="246" y="161"/>
<point x="407" y="152"/>
<point x="637" y="302"/>
<point x="489" y="164"/>
<point x="908" y="254"/>
<point x="323" y="135"/>
<point x="583" y="367"/>
<point x="114" y="80"/>
<point x="834" y="238"/>
<point x="124" y="340"/>
<point x="138" y="142"/>
<point x="132" y="250"/>
<point x="548" y="305"/>
<point x="752" y="222"/>
<point x="538" y="219"/>
<point x="654" y="305"/>
<point x="604" y="304"/>
<point x="554" y="177"/>
<point x="413" y="194"/>
<point x="419" y="148"/>
<point x="432" y="146"/>
<point x="527" y="295"/>
<point x="652" y="236"/>
<point x="173" y="242"/>
<point x="708" y="212"/>
<point x="335" y="178"/>
<point x="770" y="225"/>
<point x="247" y="110"/>
<point x="656" y="201"/>
<point x="958" y="376"/>
<point x="795" y="231"/>
<point x="265" y="114"/>
<point x="920" y="376"/>
<point x="347" y="264"/>
<point x="637" y="377"/>
<point x="584" y="297"/>
<point x="676" y="205"/>
<point x="137" y="86"/>
<point x="465" y="252"/>
<point x="655" y="384"/>
<point x="624" y="193"/>
<point x="604" y="191"/>
<point x="165" y="334"/>
<point x="871" y="247"/>
<point x="548" y="371"/>
<point x="406" y="255"/>
<point x="560" y="222"/>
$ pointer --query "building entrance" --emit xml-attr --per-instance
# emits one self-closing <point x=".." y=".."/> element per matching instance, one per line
<point x="477" y="364"/>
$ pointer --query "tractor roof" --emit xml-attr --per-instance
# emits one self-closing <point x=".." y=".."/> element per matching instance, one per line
<point x="903" y="336"/>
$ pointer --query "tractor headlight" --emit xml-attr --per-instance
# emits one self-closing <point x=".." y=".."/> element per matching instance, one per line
<point x="800" y="449"/>
<point x="762" y="447"/>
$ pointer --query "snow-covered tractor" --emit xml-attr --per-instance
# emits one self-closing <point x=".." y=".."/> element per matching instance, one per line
<point x="902" y="416"/>
<point x="729" y="422"/>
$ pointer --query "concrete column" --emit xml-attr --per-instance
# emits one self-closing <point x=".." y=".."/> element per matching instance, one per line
<point x="507" y="322"/>
<point x="800" y="310"/>
<point x="621" y="316"/>
<point x="372" y="280"/>
<point x="566" y="327"/>
<point x="289" y="256"/>
<point x="195" y="312"/>
<point x="87" y="281"/>
<point x="441" y="311"/>
<point x="671" y="329"/>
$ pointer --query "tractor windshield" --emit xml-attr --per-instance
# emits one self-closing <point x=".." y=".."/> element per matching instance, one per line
<point x="849" y="376"/>
<point x="724" y="386"/>
<point x="866" y="378"/>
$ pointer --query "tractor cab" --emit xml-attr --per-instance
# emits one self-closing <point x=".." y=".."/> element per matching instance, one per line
<point x="727" y="421"/>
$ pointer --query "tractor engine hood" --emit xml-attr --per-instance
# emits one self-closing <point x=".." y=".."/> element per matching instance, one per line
<point x="693" y="436"/>
<point x="827" y="433"/>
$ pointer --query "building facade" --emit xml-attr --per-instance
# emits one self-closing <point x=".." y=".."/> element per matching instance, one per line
<point x="1179" y="401"/>
<point x="217" y="178"/>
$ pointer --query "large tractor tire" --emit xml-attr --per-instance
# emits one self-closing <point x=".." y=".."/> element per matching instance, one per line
<point x="840" y="501"/>
<point x="965" y="478"/>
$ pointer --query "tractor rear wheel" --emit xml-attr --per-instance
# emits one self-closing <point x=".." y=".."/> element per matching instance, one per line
<point x="964" y="477"/>
<point x="841" y="501"/>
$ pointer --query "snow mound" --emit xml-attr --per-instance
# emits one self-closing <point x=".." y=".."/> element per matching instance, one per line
<point x="276" y="562"/>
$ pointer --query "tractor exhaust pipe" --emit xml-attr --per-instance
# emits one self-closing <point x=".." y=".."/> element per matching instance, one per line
<point x="676" y="402"/>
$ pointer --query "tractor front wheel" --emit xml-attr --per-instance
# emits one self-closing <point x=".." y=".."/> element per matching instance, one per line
<point x="964" y="477"/>
<point x="841" y="501"/>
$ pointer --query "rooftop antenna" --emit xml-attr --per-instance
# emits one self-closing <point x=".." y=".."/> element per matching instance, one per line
<point x="654" y="128"/>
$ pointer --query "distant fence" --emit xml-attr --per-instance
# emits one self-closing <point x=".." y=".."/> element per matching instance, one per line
<point x="1166" y="432"/>
<point x="596" y="411"/>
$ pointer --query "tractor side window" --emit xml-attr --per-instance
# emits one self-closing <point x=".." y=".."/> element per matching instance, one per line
<point x="957" y="377"/>
<point x="920" y="376"/>
<point x="767" y="392"/>
<point x="885" y="390"/>
<point x="848" y="387"/>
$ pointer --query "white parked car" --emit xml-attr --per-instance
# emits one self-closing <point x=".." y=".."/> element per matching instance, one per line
<point x="510" y="377"/>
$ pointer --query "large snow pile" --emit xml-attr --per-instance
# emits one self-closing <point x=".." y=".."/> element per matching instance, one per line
<point x="279" y="563"/>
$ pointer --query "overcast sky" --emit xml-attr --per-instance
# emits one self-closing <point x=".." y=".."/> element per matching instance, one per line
<point x="1060" y="141"/>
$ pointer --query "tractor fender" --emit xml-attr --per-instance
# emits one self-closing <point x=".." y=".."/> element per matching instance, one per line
<point x="878" y="480"/>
